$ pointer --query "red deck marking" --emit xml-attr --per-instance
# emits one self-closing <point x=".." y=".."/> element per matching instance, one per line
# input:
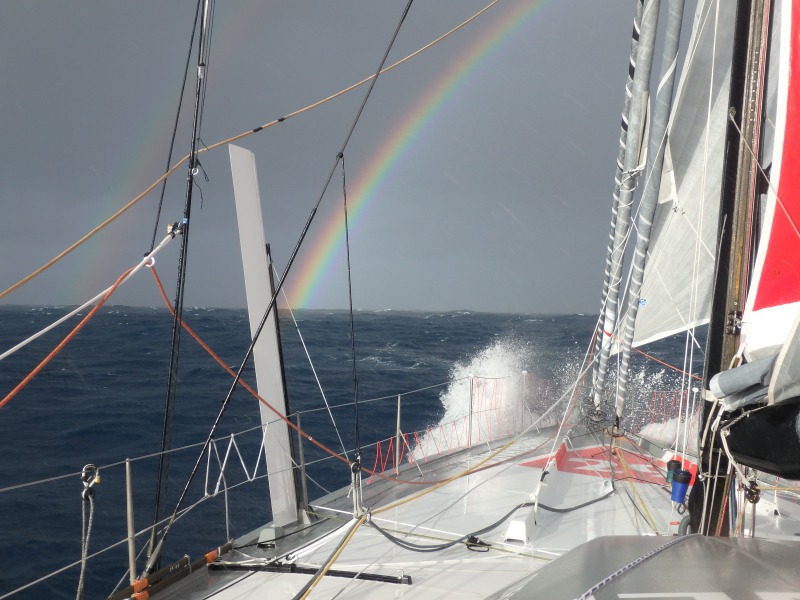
<point x="594" y="462"/>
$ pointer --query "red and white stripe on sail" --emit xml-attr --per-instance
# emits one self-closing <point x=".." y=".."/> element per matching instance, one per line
<point x="774" y="298"/>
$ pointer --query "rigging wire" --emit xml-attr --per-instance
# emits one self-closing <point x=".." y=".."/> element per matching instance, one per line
<point x="357" y="426"/>
<point x="695" y="292"/>
<point x="313" y="371"/>
<point x="162" y="478"/>
<point x="175" y="129"/>
<point x="247" y="387"/>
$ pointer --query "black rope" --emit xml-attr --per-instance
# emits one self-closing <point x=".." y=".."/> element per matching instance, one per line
<point x="352" y="323"/>
<point x="471" y="539"/>
<point x="340" y="157"/>
<point x="175" y="128"/>
<point x="162" y="476"/>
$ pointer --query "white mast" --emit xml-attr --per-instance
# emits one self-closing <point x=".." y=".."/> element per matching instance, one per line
<point x="266" y="353"/>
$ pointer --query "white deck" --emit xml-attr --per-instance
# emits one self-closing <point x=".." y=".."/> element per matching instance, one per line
<point x="579" y="472"/>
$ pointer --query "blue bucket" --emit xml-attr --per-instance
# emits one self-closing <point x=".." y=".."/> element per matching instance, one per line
<point x="680" y="485"/>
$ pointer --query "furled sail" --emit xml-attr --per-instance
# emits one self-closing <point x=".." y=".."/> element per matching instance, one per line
<point x="774" y="296"/>
<point x="676" y="290"/>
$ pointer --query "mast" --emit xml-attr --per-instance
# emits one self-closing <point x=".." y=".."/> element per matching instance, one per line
<point x="740" y="180"/>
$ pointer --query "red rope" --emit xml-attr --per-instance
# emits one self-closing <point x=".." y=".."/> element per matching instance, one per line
<point x="245" y="385"/>
<point x="63" y="342"/>
<point x="406" y="450"/>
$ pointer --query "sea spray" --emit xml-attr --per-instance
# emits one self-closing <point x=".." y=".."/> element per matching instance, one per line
<point x="498" y="392"/>
<point x="661" y="405"/>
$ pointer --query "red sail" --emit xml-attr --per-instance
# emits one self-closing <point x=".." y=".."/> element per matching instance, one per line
<point x="776" y="278"/>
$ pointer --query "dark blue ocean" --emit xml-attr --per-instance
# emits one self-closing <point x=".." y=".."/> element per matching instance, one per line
<point x="100" y="401"/>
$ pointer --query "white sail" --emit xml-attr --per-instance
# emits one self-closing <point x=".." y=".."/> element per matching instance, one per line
<point x="676" y="290"/>
<point x="774" y="296"/>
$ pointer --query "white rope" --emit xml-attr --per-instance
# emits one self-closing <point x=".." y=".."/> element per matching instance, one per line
<point x="709" y="477"/>
<point x="147" y="261"/>
<point x="690" y="421"/>
<point x="724" y="438"/>
<point x="86" y="532"/>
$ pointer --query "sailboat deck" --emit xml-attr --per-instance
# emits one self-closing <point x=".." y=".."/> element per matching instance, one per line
<point x="583" y="496"/>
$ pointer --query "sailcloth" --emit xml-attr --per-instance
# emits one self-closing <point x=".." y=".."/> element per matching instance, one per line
<point x="774" y="295"/>
<point x="677" y="284"/>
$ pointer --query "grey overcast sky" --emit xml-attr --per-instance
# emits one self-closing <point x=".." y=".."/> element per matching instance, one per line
<point x="499" y="147"/>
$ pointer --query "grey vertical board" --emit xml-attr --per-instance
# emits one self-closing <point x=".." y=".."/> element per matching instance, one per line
<point x="266" y="353"/>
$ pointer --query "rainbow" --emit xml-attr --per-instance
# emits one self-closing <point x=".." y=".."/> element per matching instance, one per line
<point x="315" y="268"/>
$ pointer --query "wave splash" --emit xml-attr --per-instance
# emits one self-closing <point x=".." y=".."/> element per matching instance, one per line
<point x="498" y="392"/>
